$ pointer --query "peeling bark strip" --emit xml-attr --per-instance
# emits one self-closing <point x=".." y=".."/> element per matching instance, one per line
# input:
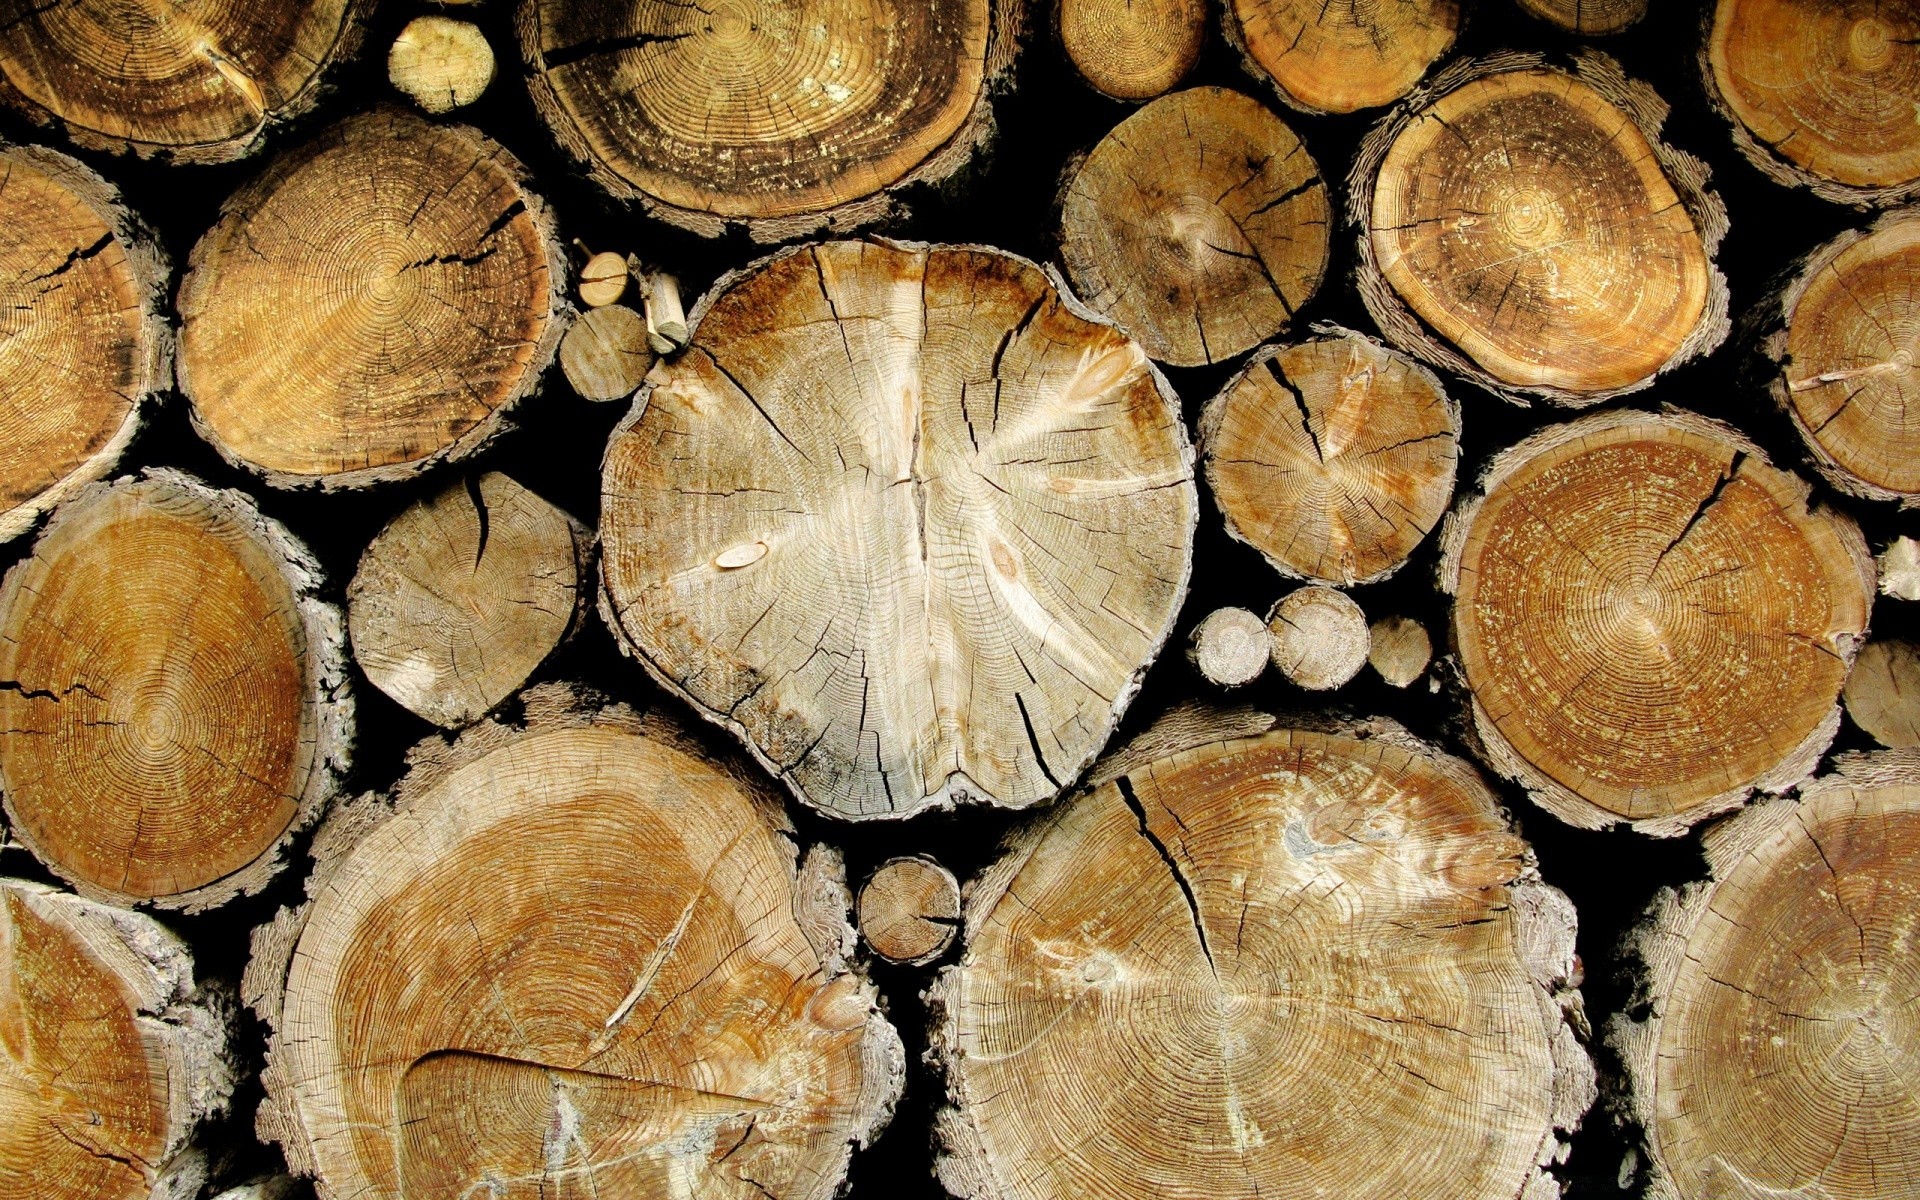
<point x="1133" y="49"/>
<point x="588" y="1029"/>
<point x="1777" y="1056"/>
<point x="1590" y="17"/>
<point x="200" y="83"/>
<point x="84" y="346"/>
<point x="1245" y="965"/>
<point x="373" y="303"/>
<point x="1327" y="57"/>
<point x="178" y="706"/>
<point x="1651" y="619"/>
<point x="904" y="518"/>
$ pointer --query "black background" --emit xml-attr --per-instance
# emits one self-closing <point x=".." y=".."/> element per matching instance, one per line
<point x="1006" y="200"/>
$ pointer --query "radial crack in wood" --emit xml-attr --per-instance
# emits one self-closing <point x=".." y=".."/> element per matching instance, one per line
<point x="1883" y="692"/>
<point x="440" y="64"/>
<point x="1590" y="17"/>
<point x="1338" y="58"/>
<point x="910" y="910"/>
<point x="1133" y="49"/>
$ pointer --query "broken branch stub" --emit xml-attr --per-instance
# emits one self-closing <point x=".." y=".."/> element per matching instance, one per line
<point x="905" y="519"/>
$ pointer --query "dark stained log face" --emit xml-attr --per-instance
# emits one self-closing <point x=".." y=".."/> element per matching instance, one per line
<point x="1883" y="692"/>
<point x="1133" y="49"/>
<point x="1339" y="56"/>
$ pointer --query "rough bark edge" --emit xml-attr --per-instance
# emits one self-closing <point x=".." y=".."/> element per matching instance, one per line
<point x="325" y="682"/>
<point x="190" y="1024"/>
<point x="821" y="902"/>
<point x="953" y="793"/>
<point x="1691" y="178"/>
<point x="147" y="259"/>
<point x="1657" y="946"/>
<point x="1233" y="32"/>
<point x="560" y="314"/>
<point x="1006" y="29"/>
<point x="1544" y="929"/>
<point x="353" y="31"/>
<point x="1491" y="746"/>
<point x="1215" y="412"/>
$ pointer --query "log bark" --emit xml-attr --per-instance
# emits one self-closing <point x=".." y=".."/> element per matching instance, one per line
<point x="173" y="694"/>
<point x="1400" y="650"/>
<point x="373" y="303"/>
<point x="693" y="1028"/>
<point x="440" y="64"/>
<point x="1132" y="49"/>
<point x="1652" y="620"/>
<point x="110" y="1055"/>
<point x="1290" y="963"/>
<point x="1230" y="647"/>
<point x="1340" y="58"/>
<point x="1820" y="93"/>
<point x="1320" y="638"/>
<point x="1334" y="458"/>
<point x="1522" y="224"/>
<point x="1776" y="1056"/>
<point x="1588" y="17"/>
<point x="906" y="519"/>
<point x="1199" y="225"/>
<point x="1883" y="692"/>
<point x="464" y="594"/>
<point x="200" y="85"/>
<point x="910" y="910"/>
<point x="84" y="344"/>
<point x="606" y="353"/>
<point x="786" y="118"/>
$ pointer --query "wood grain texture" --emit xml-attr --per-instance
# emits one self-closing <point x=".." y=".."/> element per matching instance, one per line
<point x="1320" y="638"/>
<point x="1326" y="57"/>
<point x="1132" y="49"/>
<point x="1589" y="17"/>
<point x="440" y="64"/>
<point x="1883" y="692"/>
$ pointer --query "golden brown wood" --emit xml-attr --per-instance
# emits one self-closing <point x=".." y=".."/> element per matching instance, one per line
<point x="1652" y="620"/>
<point x="1198" y="224"/>
<point x="786" y="116"/>
<point x="603" y="280"/>
<point x="1899" y="569"/>
<point x="1523" y="225"/>
<point x="1777" y="1059"/>
<point x="1334" y="458"/>
<point x="1340" y="57"/>
<point x="110" y="1056"/>
<point x="906" y="519"/>
<point x="464" y="594"/>
<point x="909" y="910"/>
<point x="440" y="64"/>
<point x="606" y="353"/>
<point x="1400" y="650"/>
<point x="84" y="344"/>
<point x="1133" y="49"/>
<point x="1883" y="692"/>
<point x="1230" y="647"/>
<point x="371" y="304"/>
<point x="1320" y="638"/>
<point x="1291" y="964"/>
<point x="1590" y="17"/>
<point x="692" y="1028"/>
<point x="174" y="707"/>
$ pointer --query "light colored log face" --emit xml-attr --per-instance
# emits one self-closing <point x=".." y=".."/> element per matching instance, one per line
<point x="1588" y="16"/>
<point x="1526" y="218"/>
<point x="1249" y="969"/>
<point x="905" y="521"/>
<point x="371" y="301"/>
<point x="486" y="990"/>
<point x="1883" y="692"/>
<point x="1338" y="58"/>
<point x="1133" y="49"/>
<point x="1199" y="225"/>
<point x="440" y="63"/>
<point x="1651" y="617"/>
<point x="909" y="910"/>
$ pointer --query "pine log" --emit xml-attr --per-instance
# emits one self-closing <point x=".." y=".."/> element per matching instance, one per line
<point x="1777" y="1055"/>
<point x="1820" y="93"/>
<point x="788" y="117"/>
<point x="1400" y="650"/>
<point x="1320" y="638"/>
<point x="1339" y="58"/>
<point x="1230" y="647"/>
<point x="606" y="353"/>
<point x="909" y="910"/>
<point x="173" y="704"/>
<point x="192" y="84"/>
<point x="691" y="1028"/>
<point x="1334" y="458"/>
<point x="1133" y="49"/>
<point x="1841" y="340"/>
<point x="440" y="64"/>
<point x="373" y="303"/>
<point x="1899" y="569"/>
<point x="464" y="594"/>
<point x="1652" y="620"/>
<point x="1198" y="224"/>
<point x="906" y="519"/>
<point x="1883" y="692"/>
<point x="110" y="1055"/>
<point x="1523" y="225"/>
<point x="1588" y="17"/>
<point x="84" y="344"/>
<point x="1294" y="963"/>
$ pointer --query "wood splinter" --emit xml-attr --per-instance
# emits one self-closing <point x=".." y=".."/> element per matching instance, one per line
<point x="910" y="910"/>
<point x="1230" y="647"/>
<point x="440" y="64"/>
<point x="666" y="319"/>
<point x="1320" y="638"/>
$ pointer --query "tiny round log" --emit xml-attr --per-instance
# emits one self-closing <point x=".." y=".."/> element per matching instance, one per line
<point x="1319" y="637"/>
<point x="1521" y="224"/>
<point x="603" y="280"/>
<point x="1286" y="963"/>
<point x="1883" y="692"/>
<point x="1652" y="620"/>
<point x="1133" y="49"/>
<point x="1588" y="17"/>
<point x="204" y="83"/>
<point x="440" y="64"/>
<point x="371" y="304"/>
<point x="1198" y="224"/>
<point x="692" y="1028"/>
<point x="84" y="342"/>
<point x="1230" y="647"/>
<point x="906" y="519"/>
<point x="1777" y="1055"/>
<point x="1400" y="650"/>
<point x="173" y="704"/>
<point x="1340" y="58"/>
<point x="1899" y="569"/>
<point x="110" y="1055"/>
<point x="464" y="594"/>
<point x="1334" y="458"/>
<point x="786" y="116"/>
<point x="606" y="353"/>
<point x="910" y="910"/>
